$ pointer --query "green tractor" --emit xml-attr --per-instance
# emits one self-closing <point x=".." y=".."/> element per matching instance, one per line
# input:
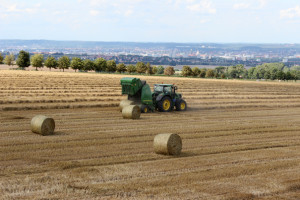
<point x="164" y="97"/>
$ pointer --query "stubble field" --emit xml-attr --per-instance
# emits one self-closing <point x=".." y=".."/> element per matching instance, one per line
<point x="241" y="140"/>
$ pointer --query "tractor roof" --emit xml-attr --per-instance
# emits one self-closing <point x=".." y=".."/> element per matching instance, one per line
<point x="129" y="80"/>
<point x="164" y="84"/>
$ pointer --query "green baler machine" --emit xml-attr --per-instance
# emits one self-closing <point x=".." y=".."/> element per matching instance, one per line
<point x="163" y="98"/>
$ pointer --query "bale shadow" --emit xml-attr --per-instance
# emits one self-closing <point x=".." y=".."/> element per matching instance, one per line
<point x="18" y="117"/>
<point x="57" y="133"/>
<point x="13" y="117"/>
<point x="188" y="154"/>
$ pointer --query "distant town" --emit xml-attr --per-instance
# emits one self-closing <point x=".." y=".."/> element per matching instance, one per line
<point x="173" y="54"/>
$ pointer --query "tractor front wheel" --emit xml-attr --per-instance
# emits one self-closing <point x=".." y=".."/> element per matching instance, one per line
<point x="145" y="109"/>
<point x="180" y="105"/>
<point x="165" y="105"/>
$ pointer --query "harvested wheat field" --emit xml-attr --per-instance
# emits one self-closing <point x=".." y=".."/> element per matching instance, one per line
<point x="240" y="140"/>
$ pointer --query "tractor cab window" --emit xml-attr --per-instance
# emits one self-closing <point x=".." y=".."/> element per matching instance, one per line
<point x="167" y="89"/>
<point x="158" y="88"/>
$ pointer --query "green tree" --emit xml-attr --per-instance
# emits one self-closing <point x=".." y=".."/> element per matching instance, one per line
<point x="9" y="59"/>
<point x="131" y="69"/>
<point x="1" y="58"/>
<point x="51" y="62"/>
<point x="169" y="71"/>
<point x="88" y="65"/>
<point x="271" y="73"/>
<point x="295" y="74"/>
<point x="232" y="72"/>
<point x="141" y="67"/>
<point x="154" y="70"/>
<point x="288" y="76"/>
<point x="241" y="71"/>
<point x="196" y="71"/>
<point x="121" y="68"/>
<point x="256" y="74"/>
<point x="210" y="73"/>
<point x="237" y="71"/>
<point x="280" y="75"/>
<point x="100" y="65"/>
<point x="149" y="69"/>
<point x="251" y="73"/>
<point x="23" y="59"/>
<point x="186" y="71"/>
<point x="260" y="71"/>
<point x="268" y="70"/>
<point x="219" y="71"/>
<point x="111" y="66"/>
<point x="64" y="63"/>
<point x="286" y="69"/>
<point x="160" y="69"/>
<point x="202" y="73"/>
<point x="76" y="63"/>
<point x="37" y="61"/>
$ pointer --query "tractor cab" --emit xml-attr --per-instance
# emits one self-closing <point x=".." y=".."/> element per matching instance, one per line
<point x="166" y="97"/>
<point x="163" y="88"/>
<point x="166" y="89"/>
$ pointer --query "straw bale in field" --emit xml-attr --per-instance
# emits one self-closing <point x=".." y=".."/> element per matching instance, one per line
<point x="42" y="125"/>
<point x="131" y="112"/>
<point x="168" y="144"/>
<point x="125" y="103"/>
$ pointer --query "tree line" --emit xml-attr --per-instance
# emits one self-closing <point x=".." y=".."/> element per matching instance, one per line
<point x="98" y="65"/>
<point x="270" y="71"/>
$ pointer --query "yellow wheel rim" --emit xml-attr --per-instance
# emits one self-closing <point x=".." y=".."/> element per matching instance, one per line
<point x="182" y="106"/>
<point x="145" y="110"/>
<point x="166" y="104"/>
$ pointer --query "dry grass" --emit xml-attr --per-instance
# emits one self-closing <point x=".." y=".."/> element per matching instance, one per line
<point x="241" y="140"/>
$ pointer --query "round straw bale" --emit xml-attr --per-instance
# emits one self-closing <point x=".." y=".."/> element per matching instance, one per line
<point x="139" y="105"/>
<point x="131" y="112"/>
<point x="168" y="144"/>
<point x="125" y="103"/>
<point x="42" y="125"/>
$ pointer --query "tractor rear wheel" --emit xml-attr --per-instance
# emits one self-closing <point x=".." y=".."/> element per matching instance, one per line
<point x="165" y="105"/>
<point x="180" y="105"/>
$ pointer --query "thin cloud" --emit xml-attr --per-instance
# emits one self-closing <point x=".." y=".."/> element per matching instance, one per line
<point x="14" y="8"/>
<point x="262" y="3"/>
<point x="239" y="6"/>
<point x="128" y="13"/>
<point x="255" y="5"/>
<point x="97" y="2"/>
<point x="94" y="12"/>
<point x="290" y="13"/>
<point x="205" y="6"/>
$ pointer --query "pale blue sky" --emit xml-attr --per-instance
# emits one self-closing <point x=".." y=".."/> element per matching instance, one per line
<point x="225" y="21"/>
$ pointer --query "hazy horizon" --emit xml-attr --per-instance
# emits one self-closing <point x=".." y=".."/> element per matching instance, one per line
<point x="251" y="43"/>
